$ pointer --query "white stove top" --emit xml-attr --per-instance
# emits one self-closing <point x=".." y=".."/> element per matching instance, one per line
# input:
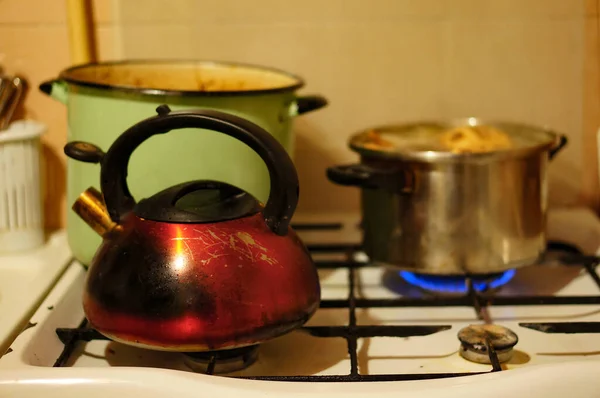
<point x="25" y="279"/>
<point x="549" y="365"/>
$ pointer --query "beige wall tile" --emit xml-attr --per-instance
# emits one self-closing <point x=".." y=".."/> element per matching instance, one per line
<point x="160" y="41"/>
<point x="156" y="12"/>
<point x="32" y="11"/>
<point x="592" y="8"/>
<point x="524" y="69"/>
<point x="389" y="10"/>
<point x="108" y="42"/>
<point x="49" y="11"/>
<point x="311" y="12"/>
<point x="38" y="55"/>
<point x="104" y="11"/>
<point x="514" y="8"/>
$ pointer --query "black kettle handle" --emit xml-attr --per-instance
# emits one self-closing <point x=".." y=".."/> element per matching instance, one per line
<point x="283" y="197"/>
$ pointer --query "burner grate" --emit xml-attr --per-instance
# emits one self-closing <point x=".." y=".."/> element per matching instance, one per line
<point x="478" y="300"/>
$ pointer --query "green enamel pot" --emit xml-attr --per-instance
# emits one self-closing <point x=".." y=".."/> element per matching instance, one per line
<point x="104" y="99"/>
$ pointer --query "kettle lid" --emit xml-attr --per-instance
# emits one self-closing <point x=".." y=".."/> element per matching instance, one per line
<point x="198" y="202"/>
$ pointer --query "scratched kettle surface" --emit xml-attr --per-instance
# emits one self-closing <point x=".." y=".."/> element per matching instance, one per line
<point x="199" y="266"/>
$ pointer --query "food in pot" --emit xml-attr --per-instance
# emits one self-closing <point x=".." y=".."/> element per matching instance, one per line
<point x="374" y="140"/>
<point x="475" y="139"/>
<point x="211" y="77"/>
<point x="462" y="139"/>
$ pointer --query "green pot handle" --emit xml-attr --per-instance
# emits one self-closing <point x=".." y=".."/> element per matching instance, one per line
<point x="307" y="103"/>
<point x="56" y="89"/>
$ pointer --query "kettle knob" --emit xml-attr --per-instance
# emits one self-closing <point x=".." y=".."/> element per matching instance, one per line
<point x="213" y="202"/>
<point x="284" y="189"/>
<point x="163" y="109"/>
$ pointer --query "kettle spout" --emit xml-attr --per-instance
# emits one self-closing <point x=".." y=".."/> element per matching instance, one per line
<point x="91" y="208"/>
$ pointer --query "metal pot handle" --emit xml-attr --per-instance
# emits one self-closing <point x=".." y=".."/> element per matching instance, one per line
<point x="562" y="141"/>
<point x="309" y="103"/>
<point x="360" y="175"/>
<point x="56" y="89"/>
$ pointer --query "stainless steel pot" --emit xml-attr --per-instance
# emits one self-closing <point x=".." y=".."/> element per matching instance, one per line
<point x="436" y="212"/>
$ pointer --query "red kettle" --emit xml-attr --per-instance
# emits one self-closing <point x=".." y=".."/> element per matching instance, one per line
<point x="200" y="266"/>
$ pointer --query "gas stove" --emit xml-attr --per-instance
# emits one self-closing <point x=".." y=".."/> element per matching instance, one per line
<point x="534" y="328"/>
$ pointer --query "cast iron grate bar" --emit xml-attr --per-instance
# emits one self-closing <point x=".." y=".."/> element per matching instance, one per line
<point x="374" y="331"/>
<point x="210" y="369"/>
<point x="564" y="247"/>
<point x="81" y="333"/>
<point x="361" y="378"/>
<point x="333" y="248"/>
<point x="335" y="264"/>
<point x="591" y="269"/>
<point x="317" y="226"/>
<point x="496" y="367"/>
<point x="351" y="338"/>
<point x="481" y="310"/>
<point x="564" y="327"/>
<point x="462" y="301"/>
<point x="70" y="345"/>
<point x="543" y="300"/>
<point x="475" y="300"/>
<point x="578" y="259"/>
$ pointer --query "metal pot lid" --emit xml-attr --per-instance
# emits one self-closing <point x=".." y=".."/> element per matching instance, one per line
<point x="453" y="140"/>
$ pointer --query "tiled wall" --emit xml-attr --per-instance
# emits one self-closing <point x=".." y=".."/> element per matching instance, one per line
<point x="377" y="61"/>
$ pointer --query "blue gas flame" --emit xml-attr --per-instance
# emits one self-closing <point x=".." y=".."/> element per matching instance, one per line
<point x="456" y="284"/>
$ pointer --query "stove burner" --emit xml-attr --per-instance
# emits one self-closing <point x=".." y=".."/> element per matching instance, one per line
<point x="457" y="284"/>
<point x="477" y="341"/>
<point x="222" y="361"/>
